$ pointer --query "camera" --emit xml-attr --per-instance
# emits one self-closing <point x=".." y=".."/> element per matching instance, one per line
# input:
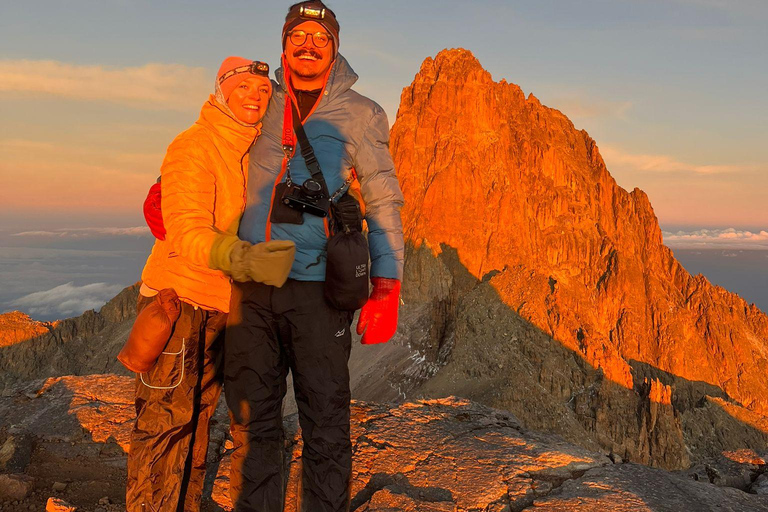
<point x="310" y="198"/>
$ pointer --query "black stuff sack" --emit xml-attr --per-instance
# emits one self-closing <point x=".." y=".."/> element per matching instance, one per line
<point x="346" y="271"/>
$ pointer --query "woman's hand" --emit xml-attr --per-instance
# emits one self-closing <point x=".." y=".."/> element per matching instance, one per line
<point x="266" y="262"/>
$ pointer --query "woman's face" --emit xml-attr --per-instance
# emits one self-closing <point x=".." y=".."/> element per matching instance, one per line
<point x="249" y="99"/>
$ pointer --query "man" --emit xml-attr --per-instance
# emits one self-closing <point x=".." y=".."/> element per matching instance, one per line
<point x="271" y="330"/>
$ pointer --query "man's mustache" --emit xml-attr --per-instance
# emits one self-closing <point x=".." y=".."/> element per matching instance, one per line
<point x="306" y="51"/>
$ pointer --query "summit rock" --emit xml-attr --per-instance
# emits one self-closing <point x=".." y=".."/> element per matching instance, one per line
<point x="439" y="455"/>
<point x="520" y="200"/>
<point x="16" y="326"/>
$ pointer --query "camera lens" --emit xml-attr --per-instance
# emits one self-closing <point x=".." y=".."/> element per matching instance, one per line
<point x="312" y="188"/>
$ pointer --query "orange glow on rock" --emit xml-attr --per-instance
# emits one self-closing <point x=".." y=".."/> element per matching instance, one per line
<point x="17" y="327"/>
<point x="527" y="202"/>
<point x="108" y="415"/>
<point x="745" y="457"/>
<point x="454" y="454"/>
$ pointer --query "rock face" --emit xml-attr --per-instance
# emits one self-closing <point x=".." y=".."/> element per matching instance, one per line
<point x="430" y="455"/>
<point x="67" y="436"/>
<point x="85" y="344"/>
<point x="17" y="326"/>
<point x="635" y="488"/>
<point x="503" y="191"/>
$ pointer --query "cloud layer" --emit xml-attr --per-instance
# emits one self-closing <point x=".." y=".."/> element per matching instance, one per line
<point x="151" y="86"/>
<point x="138" y="231"/>
<point x="716" y="239"/>
<point x="663" y="163"/>
<point x="67" y="300"/>
<point x="581" y="107"/>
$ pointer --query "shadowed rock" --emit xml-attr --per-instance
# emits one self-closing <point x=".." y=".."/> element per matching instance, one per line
<point x="636" y="488"/>
<point x="430" y="455"/>
<point x="77" y="346"/>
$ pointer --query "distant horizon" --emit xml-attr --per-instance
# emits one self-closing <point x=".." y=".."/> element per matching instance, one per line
<point x="753" y="286"/>
<point x="55" y="275"/>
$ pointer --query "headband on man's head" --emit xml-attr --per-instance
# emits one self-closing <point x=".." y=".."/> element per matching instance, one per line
<point x="312" y="11"/>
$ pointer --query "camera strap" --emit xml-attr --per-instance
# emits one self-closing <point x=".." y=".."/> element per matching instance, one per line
<point x="292" y="123"/>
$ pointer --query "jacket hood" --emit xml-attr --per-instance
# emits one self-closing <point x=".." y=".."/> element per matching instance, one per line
<point x="223" y="122"/>
<point x="340" y="80"/>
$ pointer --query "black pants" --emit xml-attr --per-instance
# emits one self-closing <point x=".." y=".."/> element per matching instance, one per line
<point x="269" y="331"/>
<point x="175" y="401"/>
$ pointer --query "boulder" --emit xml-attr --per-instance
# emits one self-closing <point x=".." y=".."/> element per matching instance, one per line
<point x="15" y="487"/>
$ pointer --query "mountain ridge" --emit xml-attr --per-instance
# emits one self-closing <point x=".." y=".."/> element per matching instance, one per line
<point x="523" y="248"/>
<point x="84" y="344"/>
<point x="586" y="242"/>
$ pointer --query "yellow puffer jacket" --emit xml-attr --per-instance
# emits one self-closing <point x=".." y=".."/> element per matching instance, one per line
<point x="203" y="197"/>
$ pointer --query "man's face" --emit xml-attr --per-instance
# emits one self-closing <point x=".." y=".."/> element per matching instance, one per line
<point x="307" y="60"/>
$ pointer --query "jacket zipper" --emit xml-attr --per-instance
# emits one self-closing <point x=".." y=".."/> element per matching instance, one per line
<point x="245" y="176"/>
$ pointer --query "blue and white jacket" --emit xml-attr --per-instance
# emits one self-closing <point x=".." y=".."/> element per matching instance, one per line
<point x="346" y="130"/>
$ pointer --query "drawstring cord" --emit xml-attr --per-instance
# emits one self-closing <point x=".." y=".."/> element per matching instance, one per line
<point x="181" y="377"/>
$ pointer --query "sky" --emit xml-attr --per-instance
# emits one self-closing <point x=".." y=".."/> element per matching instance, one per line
<point x="92" y="92"/>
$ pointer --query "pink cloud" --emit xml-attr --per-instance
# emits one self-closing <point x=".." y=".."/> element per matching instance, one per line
<point x="615" y="157"/>
<point x="87" y="232"/>
<point x="151" y="86"/>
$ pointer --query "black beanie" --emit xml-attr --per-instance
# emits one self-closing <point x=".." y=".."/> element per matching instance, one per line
<point x="312" y="10"/>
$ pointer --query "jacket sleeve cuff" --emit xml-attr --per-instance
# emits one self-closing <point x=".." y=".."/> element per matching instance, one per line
<point x="388" y="268"/>
<point x="221" y="252"/>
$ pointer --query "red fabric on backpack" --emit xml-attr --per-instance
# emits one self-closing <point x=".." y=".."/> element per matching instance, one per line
<point x="153" y="213"/>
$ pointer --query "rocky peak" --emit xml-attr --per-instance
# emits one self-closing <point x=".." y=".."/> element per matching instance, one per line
<point x="525" y="202"/>
<point x="454" y="66"/>
<point x="17" y="326"/>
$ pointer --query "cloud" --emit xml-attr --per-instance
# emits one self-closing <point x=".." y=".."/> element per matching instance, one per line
<point x="67" y="300"/>
<point x="716" y="239"/>
<point x="138" y="231"/>
<point x="151" y="86"/>
<point x="615" y="157"/>
<point x="577" y="107"/>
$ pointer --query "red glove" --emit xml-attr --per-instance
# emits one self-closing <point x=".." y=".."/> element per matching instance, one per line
<point x="152" y="212"/>
<point x="378" y="318"/>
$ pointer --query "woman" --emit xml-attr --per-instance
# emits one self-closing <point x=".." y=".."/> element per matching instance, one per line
<point x="197" y="254"/>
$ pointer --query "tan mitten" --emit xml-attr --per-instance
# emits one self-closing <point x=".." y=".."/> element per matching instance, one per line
<point x="270" y="262"/>
<point x="238" y="261"/>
